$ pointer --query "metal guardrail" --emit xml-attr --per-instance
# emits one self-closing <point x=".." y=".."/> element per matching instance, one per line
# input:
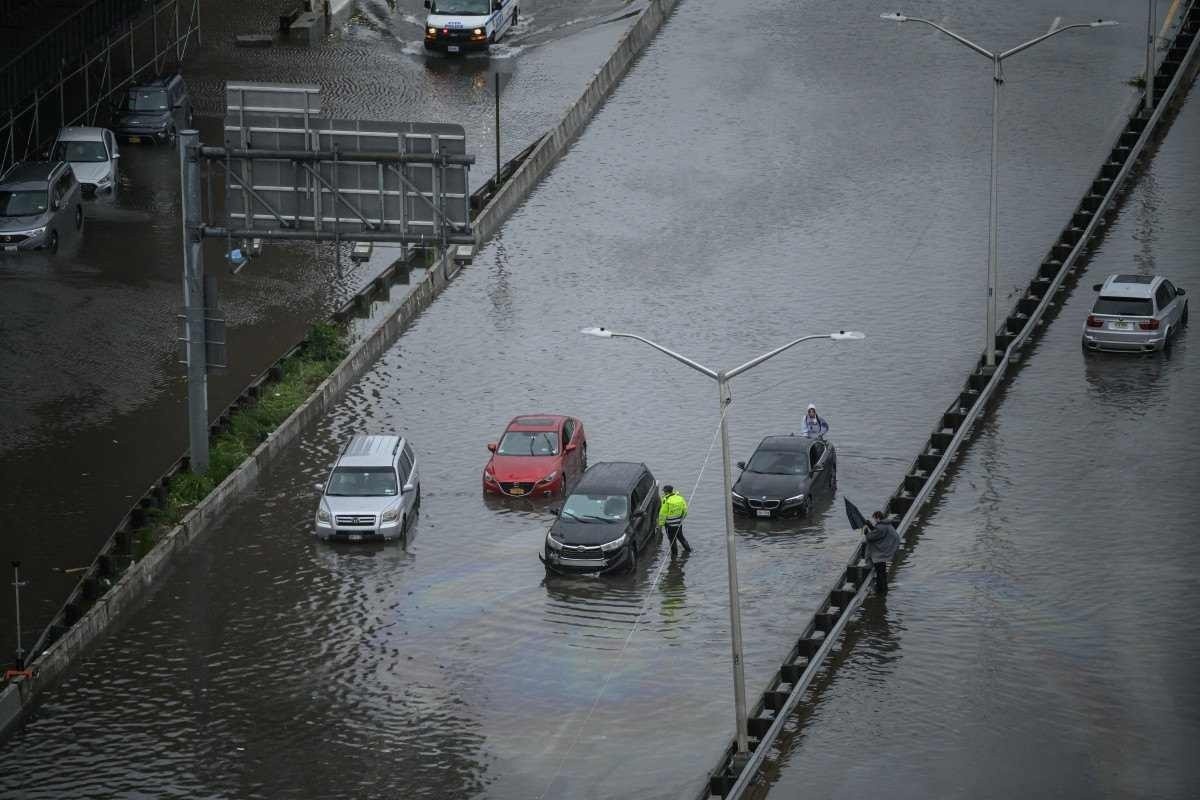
<point x="815" y="648"/>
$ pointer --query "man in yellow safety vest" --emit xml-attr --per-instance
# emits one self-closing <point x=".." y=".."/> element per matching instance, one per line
<point x="670" y="517"/>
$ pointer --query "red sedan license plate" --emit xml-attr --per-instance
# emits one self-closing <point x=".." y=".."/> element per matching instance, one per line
<point x="517" y="490"/>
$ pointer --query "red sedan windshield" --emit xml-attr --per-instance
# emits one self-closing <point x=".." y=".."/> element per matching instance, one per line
<point x="528" y="443"/>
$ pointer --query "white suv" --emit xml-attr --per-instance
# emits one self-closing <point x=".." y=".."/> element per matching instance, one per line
<point x="373" y="491"/>
<point x="1135" y="313"/>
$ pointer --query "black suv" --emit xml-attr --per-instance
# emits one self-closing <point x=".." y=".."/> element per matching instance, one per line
<point x="154" y="111"/>
<point x="609" y="517"/>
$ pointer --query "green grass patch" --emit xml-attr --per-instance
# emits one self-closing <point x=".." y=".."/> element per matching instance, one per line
<point x="324" y="346"/>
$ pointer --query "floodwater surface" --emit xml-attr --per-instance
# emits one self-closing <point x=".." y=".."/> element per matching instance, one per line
<point x="739" y="189"/>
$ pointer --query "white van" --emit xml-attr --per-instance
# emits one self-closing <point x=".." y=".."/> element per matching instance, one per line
<point x="456" y="26"/>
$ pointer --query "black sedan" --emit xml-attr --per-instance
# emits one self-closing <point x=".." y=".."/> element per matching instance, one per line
<point x="783" y="475"/>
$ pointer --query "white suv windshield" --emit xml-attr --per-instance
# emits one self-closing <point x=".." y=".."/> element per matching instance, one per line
<point x="362" y="482"/>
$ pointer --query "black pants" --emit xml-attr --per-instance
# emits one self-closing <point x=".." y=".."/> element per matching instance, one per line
<point x="881" y="578"/>
<point x="675" y="532"/>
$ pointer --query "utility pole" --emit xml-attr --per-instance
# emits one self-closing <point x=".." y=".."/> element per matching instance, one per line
<point x="1148" y="97"/>
<point x="496" y="77"/>
<point x="17" y="584"/>
<point x="195" y="333"/>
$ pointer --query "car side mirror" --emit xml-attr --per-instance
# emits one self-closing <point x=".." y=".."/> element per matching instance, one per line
<point x="1180" y="291"/>
<point x="406" y="488"/>
<point x="320" y="487"/>
<point x="496" y="5"/>
<point x="815" y="470"/>
<point x="741" y="465"/>
<point x="429" y="5"/>
<point x="555" y="510"/>
<point x="1096" y="287"/>
<point x="570" y="448"/>
<point x="55" y="205"/>
<point x="492" y="446"/>
<point x="116" y="155"/>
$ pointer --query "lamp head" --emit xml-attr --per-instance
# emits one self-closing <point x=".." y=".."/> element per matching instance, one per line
<point x="603" y="333"/>
<point x="1103" y="23"/>
<point x="897" y="17"/>
<point x="847" y="336"/>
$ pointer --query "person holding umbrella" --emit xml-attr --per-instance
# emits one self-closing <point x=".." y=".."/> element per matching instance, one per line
<point x="883" y="540"/>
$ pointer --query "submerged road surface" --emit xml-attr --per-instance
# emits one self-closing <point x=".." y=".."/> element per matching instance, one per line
<point x="1042" y="638"/>
<point x="736" y="191"/>
<point x="93" y="404"/>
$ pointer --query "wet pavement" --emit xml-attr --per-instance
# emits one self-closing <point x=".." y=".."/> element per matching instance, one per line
<point x="1042" y="635"/>
<point x="734" y="192"/>
<point x="94" y="401"/>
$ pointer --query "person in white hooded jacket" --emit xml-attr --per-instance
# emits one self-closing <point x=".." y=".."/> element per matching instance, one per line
<point x="814" y="426"/>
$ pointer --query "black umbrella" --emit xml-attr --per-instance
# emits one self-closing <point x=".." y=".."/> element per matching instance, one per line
<point x="857" y="520"/>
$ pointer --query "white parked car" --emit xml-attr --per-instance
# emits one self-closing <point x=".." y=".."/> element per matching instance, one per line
<point x="1135" y="313"/>
<point x="92" y="154"/>
<point x="373" y="491"/>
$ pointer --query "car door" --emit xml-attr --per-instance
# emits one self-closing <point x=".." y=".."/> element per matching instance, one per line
<point x="640" y="502"/>
<point x="570" y="458"/>
<point x="1168" y="299"/>
<point x="114" y="155"/>
<point x="405" y="465"/>
<point x="818" y="456"/>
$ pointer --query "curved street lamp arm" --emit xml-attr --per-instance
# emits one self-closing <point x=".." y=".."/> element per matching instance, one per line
<point x="754" y="362"/>
<point x="1014" y="50"/>
<point x="960" y="39"/>
<point x="681" y="359"/>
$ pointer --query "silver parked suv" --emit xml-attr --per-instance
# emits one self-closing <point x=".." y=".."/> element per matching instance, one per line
<point x="1135" y="313"/>
<point x="372" y="493"/>
<point x="38" y="201"/>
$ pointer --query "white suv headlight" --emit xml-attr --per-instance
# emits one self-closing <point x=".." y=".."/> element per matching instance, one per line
<point x="322" y="514"/>
<point x="390" y="514"/>
<point x="615" y="544"/>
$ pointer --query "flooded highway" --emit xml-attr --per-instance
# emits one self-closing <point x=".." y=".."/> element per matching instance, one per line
<point x="93" y="402"/>
<point x="1042" y="636"/>
<point x="733" y="193"/>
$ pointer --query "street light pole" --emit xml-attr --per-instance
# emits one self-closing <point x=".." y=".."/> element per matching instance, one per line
<point x="997" y="59"/>
<point x="724" y="399"/>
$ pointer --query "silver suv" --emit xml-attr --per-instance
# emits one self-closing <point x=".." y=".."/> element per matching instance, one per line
<point x="372" y="492"/>
<point x="38" y="201"/>
<point x="1135" y="313"/>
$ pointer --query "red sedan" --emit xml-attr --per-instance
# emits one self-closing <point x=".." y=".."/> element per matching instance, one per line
<point x="538" y="455"/>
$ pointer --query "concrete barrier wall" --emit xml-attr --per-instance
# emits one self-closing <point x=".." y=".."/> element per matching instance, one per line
<point x="145" y="576"/>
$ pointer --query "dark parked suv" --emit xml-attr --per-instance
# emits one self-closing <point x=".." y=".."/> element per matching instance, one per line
<point x="38" y="201"/>
<point x="154" y="111"/>
<point x="610" y="516"/>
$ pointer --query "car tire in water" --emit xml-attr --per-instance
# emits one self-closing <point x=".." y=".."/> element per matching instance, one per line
<point x="417" y="499"/>
<point x="404" y="531"/>
<point x="633" y="559"/>
<point x="52" y="244"/>
<point x="1183" y="318"/>
<point x="78" y="217"/>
